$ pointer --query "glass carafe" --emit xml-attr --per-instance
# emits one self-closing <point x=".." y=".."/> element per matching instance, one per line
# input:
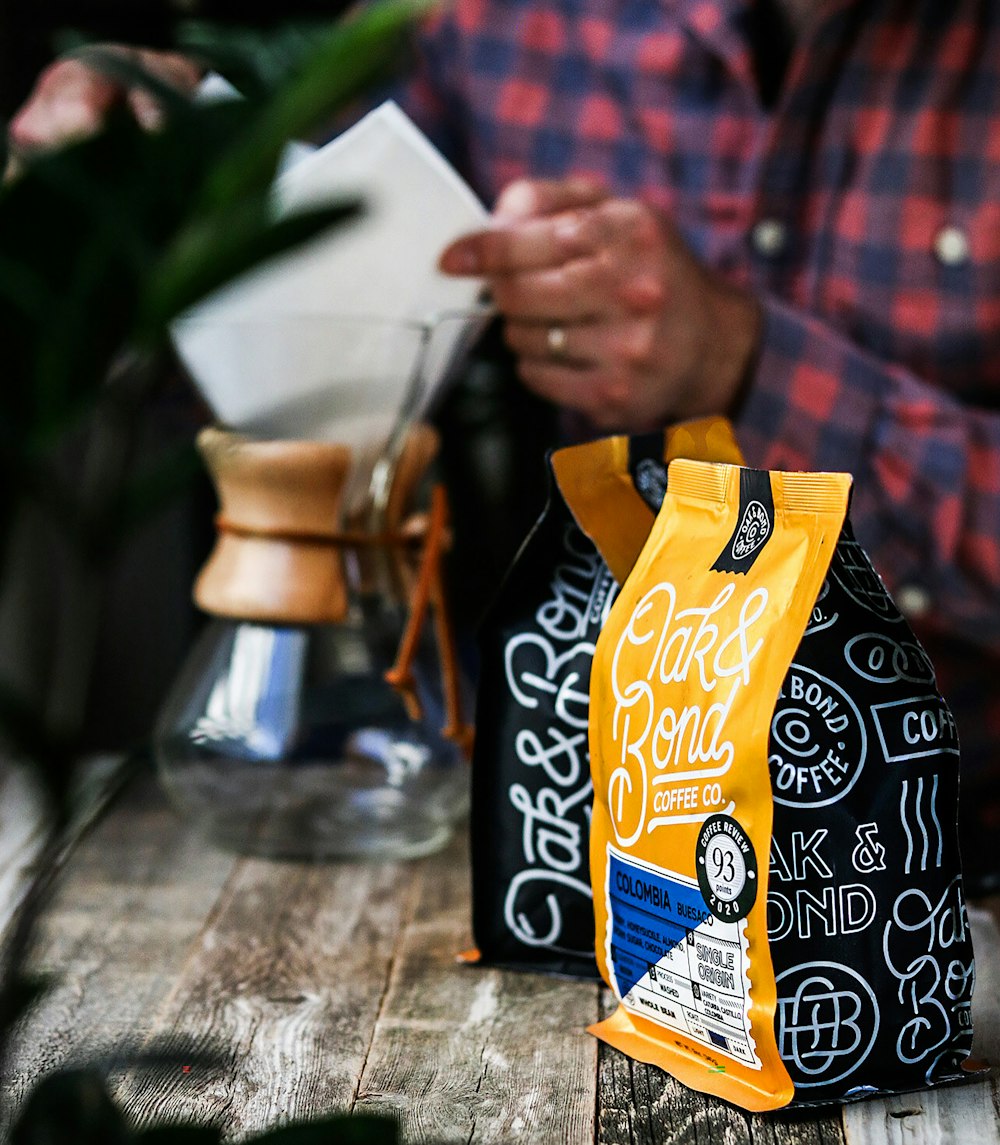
<point x="321" y="712"/>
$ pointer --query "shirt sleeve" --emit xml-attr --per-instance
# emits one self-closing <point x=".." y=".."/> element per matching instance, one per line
<point x="926" y="501"/>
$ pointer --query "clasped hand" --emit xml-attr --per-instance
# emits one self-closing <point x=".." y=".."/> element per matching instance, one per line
<point x="606" y="309"/>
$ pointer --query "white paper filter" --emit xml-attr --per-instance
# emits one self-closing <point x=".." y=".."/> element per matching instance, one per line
<point x="322" y="343"/>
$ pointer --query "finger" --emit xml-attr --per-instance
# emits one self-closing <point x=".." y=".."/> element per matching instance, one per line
<point x="583" y="343"/>
<point x="146" y="108"/>
<point x="531" y="244"/>
<point x="525" y="198"/>
<point x="515" y="245"/>
<point x="624" y="344"/>
<point x="177" y="70"/>
<point x="174" y="70"/>
<point x="566" y="384"/>
<point x="614" y="280"/>
<point x="72" y="97"/>
<point x="577" y="291"/>
<point x="595" y="259"/>
<point x="591" y="288"/>
<point x="68" y="102"/>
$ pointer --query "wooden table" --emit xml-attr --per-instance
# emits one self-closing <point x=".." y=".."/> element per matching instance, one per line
<point x="335" y="987"/>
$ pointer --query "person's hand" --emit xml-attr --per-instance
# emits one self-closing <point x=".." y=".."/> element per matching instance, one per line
<point x="606" y="309"/>
<point x="70" y="98"/>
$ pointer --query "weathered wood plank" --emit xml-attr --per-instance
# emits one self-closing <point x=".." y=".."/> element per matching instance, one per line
<point x="326" y="987"/>
<point x="22" y="829"/>
<point x="23" y="824"/>
<point x="965" y="1115"/>
<point x="986" y="999"/>
<point x="285" y="982"/>
<point x="468" y="1054"/>
<point x="641" y="1105"/>
<point x="960" y="1115"/>
<point x="132" y="900"/>
<point x="798" y="1127"/>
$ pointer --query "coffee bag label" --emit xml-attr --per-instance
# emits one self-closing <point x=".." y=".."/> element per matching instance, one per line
<point x="754" y="524"/>
<point x="673" y="962"/>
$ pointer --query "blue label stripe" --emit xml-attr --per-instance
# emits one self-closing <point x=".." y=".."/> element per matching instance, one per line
<point x="651" y="914"/>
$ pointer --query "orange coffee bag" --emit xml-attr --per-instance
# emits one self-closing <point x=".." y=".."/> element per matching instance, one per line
<point x="732" y="680"/>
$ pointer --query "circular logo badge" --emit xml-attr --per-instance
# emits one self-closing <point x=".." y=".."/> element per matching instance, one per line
<point x="727" y="868"/>
<point x="818" y="741"/>
<point x="754" y="529"/>
<point x="827" y="1022"/>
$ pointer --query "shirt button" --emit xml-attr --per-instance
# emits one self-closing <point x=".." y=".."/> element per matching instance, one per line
<point x="951" y="246"/>
<point x="769" y="237"/>
<point x="913" y="601"/>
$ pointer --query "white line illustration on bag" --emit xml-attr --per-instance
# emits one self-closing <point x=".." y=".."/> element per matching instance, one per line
<point x="919" y="821"/>
<point x="869" y="855"/>
<point x="806" y="771"/>
<point x="935" y="986"/>
<point x="827" y="1021"/>
<point x="855" y="574"/>
<point x="881" y="660"/>
<point x="549" y="669"/>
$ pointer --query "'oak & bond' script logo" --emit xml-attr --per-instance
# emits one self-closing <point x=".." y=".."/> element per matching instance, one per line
<point x="673" y="756"/>
<point x="547" y="674"/>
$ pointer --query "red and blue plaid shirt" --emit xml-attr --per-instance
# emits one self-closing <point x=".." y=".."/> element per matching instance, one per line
<point x="862" y="206"/>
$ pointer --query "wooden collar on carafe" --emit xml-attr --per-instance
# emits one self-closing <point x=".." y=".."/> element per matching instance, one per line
<point x="278" y="552"/>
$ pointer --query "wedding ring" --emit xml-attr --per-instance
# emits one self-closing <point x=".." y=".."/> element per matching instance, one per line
<point x="556" y="340"/>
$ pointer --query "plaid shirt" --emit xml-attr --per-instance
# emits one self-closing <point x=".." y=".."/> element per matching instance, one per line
<point x="862" y="207"/>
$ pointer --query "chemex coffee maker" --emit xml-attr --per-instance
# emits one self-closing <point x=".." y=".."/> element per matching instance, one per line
<point x="323" y="712"/>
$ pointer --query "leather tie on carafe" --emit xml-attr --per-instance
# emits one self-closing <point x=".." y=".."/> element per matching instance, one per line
<point x="429" y="589"/>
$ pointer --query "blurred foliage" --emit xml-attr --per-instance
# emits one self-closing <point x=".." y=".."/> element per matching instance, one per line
<point x="254" y="60"/>
<point x="74" y="1106"/>
<point x="103" y="243"/>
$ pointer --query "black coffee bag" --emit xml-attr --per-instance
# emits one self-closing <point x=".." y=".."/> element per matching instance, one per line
<point x="531" y="787"/>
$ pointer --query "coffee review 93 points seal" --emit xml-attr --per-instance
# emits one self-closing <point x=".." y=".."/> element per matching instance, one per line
<point x="727" y="868"/>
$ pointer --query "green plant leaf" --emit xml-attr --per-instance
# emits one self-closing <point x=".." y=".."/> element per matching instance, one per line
<point x="56" y="338"/>
<point x="214" y="251"/>
<point x="255" y="62"/>
<point x="352" y="55"/>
